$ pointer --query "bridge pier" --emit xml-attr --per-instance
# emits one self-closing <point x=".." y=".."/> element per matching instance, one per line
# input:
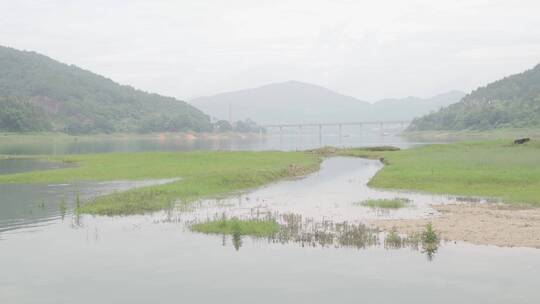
<point x="340" y="133"/>
<point x="300" y="133"/>
<point x="320" y="134"/>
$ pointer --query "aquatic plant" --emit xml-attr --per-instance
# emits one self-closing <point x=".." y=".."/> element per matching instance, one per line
<point x="430" y="241"/>
<point x="308" y="232"/>
<point x="393" y="240"/>
<point x="429" y="236"/>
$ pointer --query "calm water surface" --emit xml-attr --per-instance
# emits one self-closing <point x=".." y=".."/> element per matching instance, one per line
<point x="156" y="258"/>
<point x="351" y="137"/>
<point x="15" y="165"/>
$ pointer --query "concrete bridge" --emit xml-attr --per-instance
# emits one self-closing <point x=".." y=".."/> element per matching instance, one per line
<point x="380" y="123"/>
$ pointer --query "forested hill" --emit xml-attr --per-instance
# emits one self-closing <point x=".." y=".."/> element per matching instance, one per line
<point x="38" y="93"/>
<point x="512" y="102"/>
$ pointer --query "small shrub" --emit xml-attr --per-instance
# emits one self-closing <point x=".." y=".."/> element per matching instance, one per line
<point x="429" y="236"/>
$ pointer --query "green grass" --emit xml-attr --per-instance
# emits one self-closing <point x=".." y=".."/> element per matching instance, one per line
<point x="495" y="169"/>
<point x="394" y="203"/>
<point x="259" y="228"/>
<point x="495" y="134"/>
<point x="204" y="174"/>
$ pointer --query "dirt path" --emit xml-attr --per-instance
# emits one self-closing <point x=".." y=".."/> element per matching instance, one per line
<point x="483" y="224"/>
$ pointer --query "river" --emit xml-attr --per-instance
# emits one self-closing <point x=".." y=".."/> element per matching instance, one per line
<point x="48" y="254"/>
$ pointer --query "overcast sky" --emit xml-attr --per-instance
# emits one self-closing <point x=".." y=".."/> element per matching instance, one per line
<point x="367" y="49"/>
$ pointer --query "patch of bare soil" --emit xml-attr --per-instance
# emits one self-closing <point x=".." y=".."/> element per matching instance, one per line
<point x="482" y="224"/>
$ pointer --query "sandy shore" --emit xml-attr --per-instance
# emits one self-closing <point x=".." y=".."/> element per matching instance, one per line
<point x="483" y="224"/>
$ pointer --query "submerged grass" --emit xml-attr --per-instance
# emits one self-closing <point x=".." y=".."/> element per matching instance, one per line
<point x="204" y="174"/>
<point x="496" y="169"/>
<point x="235" y="226"/>
<point x="394" y="203"/>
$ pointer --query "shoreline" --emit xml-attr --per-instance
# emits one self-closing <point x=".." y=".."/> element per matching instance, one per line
<point x="495" y="224"/>
<point x="461" y="169"/>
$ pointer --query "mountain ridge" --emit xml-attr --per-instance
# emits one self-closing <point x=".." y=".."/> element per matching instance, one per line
<point x="295" y="101"/>
<point x="510" y="102"/>
<point x="78" y="101"/>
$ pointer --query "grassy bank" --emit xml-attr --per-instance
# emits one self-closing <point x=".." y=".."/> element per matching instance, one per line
<point x="203" y="174"/>
<point x="495" y="169"/>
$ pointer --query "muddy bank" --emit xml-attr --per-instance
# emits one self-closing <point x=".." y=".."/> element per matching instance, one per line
<point x="482" y="224"/>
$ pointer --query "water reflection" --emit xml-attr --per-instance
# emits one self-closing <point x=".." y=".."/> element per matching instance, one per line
<point x="237" y="240"/>
<point x="430" y="249"/>
<point x="18" y="165"/>
<point x="34" y="205"/>
<point x="175" y="142"/>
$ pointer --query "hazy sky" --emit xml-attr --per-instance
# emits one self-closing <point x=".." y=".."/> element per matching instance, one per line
<point x="367" y="49"/>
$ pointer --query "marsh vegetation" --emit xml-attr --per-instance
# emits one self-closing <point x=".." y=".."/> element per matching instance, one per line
<point x="292" y="228"/>
<point x="235" y="226"/>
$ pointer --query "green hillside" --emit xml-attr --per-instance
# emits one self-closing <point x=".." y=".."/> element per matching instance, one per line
<point x="40" y="94"/>
<point x="512" y="102"/>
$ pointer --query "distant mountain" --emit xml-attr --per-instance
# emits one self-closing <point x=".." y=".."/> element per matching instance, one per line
<point x="296" y="102"/>
<point x="287" y="102"/>
<point x="513" y="101"/>
<point x="38" y="93"/>
<point x="411" y="107"/>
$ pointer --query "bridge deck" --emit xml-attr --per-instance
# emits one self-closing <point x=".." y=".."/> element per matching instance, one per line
<point x="349" y="123"/>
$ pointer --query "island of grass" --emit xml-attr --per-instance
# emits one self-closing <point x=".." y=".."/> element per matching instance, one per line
<point x="493" y="169"/>
<point x="386" y="203"/>
<point x="235" y="226"/>
<point x="202" y="174"/>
